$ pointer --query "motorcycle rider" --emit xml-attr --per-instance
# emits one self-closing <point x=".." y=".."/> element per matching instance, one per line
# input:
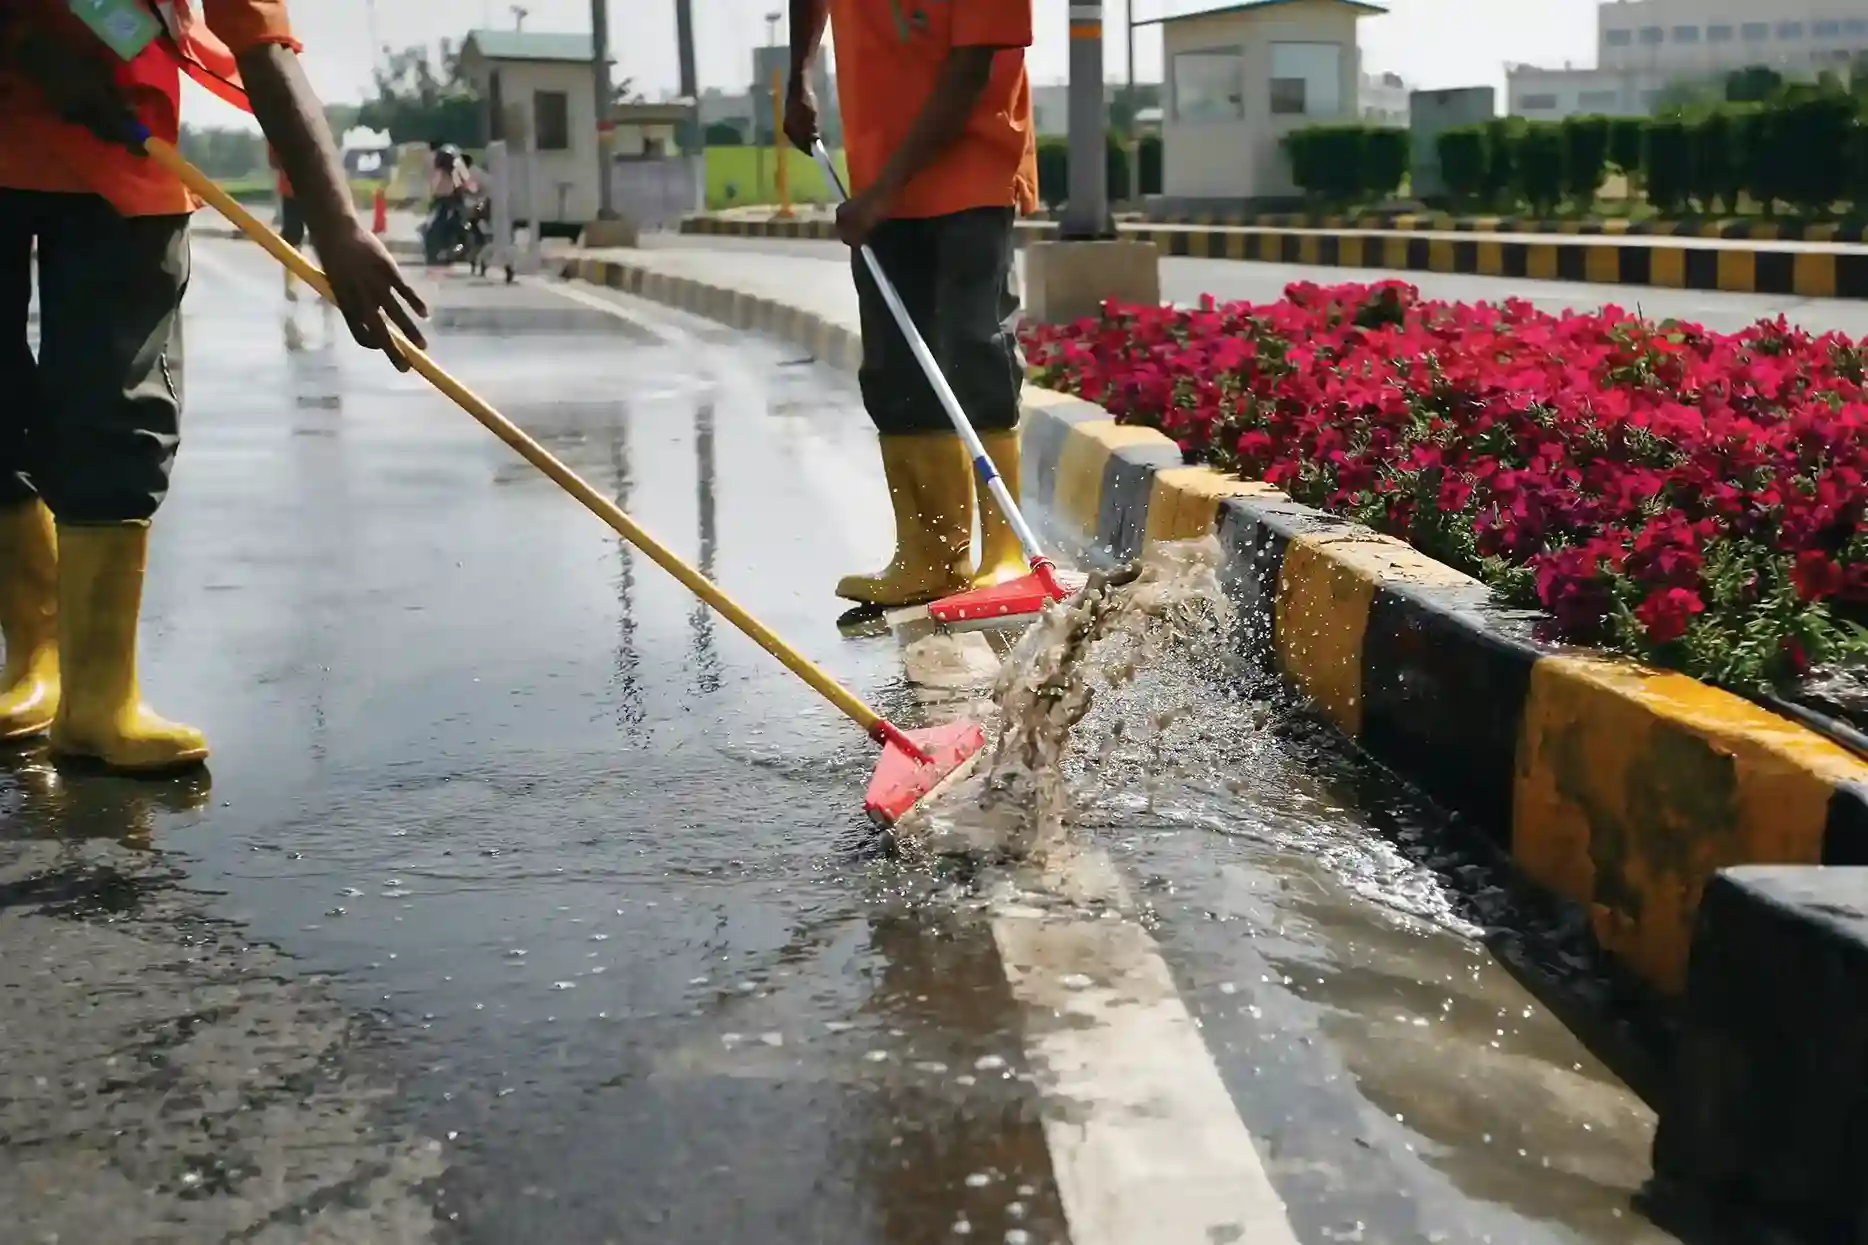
<point x="447" y="192"/>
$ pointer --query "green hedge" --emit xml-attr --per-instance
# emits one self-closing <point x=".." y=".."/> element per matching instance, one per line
<point x="1804" y="148"/>
<point x="1054" y="168"/>
<point x="1342" y="166"/>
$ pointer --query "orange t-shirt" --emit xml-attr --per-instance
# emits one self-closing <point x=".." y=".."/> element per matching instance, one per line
<point x="889" y="56"/>
<point x="39" y="151"/>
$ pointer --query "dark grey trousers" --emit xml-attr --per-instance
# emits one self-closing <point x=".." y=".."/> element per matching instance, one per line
<point x="954" y="274"/>
<point x="92" y="423"/>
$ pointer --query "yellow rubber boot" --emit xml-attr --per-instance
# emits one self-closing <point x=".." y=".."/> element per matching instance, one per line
<point x="28" y="620"/>
<point x="932" y="493"/>
<point x="100" y="596"/>
<point x="1001" y="557"/>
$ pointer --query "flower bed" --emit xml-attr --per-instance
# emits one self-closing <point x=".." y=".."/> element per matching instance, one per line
<point x="1691" y="498"/>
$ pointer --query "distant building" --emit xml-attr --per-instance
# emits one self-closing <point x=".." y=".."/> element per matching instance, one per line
<point x="774" y="63"/>
<point x="1239" y="79"/>
<point x="1383" y="97"/>
<point x="1050" y="104"/>
<point x="1642" y="46"/>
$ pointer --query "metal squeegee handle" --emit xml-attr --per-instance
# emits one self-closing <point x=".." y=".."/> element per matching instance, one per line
<point x="942" y="390"/>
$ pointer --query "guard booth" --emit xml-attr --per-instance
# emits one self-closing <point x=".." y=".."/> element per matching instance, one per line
<point x="511" y="181"/>
<point x="540" y="99"/>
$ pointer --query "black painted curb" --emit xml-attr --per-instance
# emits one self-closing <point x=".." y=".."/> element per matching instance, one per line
<point x="1598" y="259"/>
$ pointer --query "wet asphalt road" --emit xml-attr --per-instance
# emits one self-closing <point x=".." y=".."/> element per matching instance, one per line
<point x="526" y="902"/>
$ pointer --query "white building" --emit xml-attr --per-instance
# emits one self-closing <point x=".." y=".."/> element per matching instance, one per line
<point x="1238" y="80"/>
<point x="1687" y="38"/>
<point x="1384" y="99"/>
<point x="540" y="93"/>
<point x="1644" y="45"/>
<point x="1551" y="94"/>
<point x="1050" y="104"/>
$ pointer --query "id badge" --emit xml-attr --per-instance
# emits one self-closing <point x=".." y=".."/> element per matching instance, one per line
<point x="126" y="26"/>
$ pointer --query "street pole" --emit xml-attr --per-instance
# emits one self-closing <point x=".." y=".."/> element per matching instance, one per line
<point x="1132" y="139"/>
<point x="600" y="82"/>
<point x="780" y="161"/>
<point x="690" y="140"/>
<point x="1086" y="214"/>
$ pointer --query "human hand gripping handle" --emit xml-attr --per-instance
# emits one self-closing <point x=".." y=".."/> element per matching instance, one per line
<point x="937" y="380"/>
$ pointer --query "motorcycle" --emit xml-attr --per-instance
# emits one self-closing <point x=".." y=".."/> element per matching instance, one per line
<point x="457" y="231"/>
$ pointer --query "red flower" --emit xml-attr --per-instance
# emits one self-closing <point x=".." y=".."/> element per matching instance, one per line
<point x="1667" y="612"/>
<point x="1614" y="459"/>
<point x="1816" y="575"/>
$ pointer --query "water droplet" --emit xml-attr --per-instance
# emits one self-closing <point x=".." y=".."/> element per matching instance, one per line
<point x="876" y="1056"/>
<point x="978" y="1180"/>
<point x="515" y="953"/>
<point x="838" y="1026"/>
<point x="1076" y="981"/>
<point x="988" y="1063"/>
<point x="564" y="985"/>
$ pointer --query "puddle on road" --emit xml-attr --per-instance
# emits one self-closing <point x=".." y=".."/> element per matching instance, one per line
<point x="1329" y="932"/>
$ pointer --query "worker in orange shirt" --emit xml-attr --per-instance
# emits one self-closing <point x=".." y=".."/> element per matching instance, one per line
<point x="942" y="160"/>
<point x="291" y="220"/>
<point x="89" y="428"/>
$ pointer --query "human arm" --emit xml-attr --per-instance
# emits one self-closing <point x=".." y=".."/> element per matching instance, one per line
<point x="365" y="282"/>
<point x="981" y="30"/>
<point x="808" y="21"/>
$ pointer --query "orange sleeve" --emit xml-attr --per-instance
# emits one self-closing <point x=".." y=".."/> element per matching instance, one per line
<point x="245" y="24"/>
<point x="991" y="23"/>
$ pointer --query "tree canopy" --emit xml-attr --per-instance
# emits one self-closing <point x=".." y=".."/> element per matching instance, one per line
<point x="423" y="97"/>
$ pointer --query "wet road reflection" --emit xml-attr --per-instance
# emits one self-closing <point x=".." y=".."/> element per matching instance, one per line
<point x="588" y="940"/>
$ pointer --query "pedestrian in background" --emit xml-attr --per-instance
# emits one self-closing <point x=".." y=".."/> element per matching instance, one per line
<point x="89" y="428"/>
<point x="942" y="160"/>
<point x="291" y="220"/>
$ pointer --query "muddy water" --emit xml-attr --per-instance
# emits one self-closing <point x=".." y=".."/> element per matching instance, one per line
<point x="1370" y="984"/>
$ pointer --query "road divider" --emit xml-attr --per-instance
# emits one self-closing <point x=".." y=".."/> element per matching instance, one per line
<point x="1802" y="269"/>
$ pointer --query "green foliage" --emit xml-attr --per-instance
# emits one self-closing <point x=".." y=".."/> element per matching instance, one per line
<point x="1148" y="156"/>
<point x="1627" y="140"/>
<point x="1752" y="85"/>
<point x="1463" y="162"/>
<point x="1502" y="135"/>
<point x="1585" y="158"/>
<point x="722" y="134"/>
<point x="1667" y="162"/>
<point x="1343" y="166"/>
<point x="1053" y="171"/>
<point x="1538" y="165"/>
<point x="421" y="98"/>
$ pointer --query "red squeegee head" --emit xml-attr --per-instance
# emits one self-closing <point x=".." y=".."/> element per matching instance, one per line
<point x="1026" y="595"/>
<point x="916" y="764"/>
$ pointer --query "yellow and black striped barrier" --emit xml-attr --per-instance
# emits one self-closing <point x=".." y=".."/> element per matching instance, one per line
<point x="1817" y="272"/>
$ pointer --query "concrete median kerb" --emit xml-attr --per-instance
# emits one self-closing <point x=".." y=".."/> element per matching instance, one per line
<point x="1620" y="788"/>
<point x="1824" y="268"/>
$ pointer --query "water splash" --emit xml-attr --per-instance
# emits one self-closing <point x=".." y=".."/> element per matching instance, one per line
<point x="1166" y="607"/>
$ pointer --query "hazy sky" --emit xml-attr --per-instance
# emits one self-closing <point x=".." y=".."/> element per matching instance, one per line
<point x="1432" y="43"/>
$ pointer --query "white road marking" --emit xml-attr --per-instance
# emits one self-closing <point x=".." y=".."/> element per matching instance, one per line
<point x="1147" y="1145"/>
